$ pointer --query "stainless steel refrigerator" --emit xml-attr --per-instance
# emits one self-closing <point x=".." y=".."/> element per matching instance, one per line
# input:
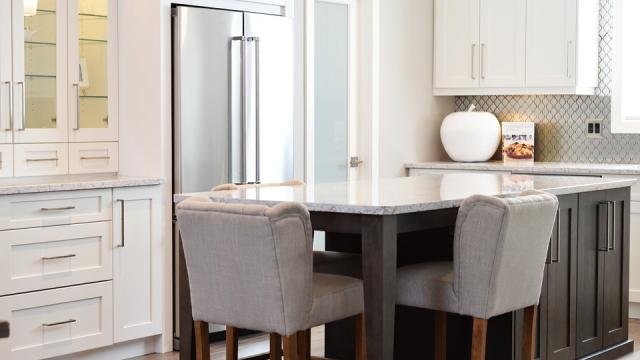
<point x="232" y="101"/>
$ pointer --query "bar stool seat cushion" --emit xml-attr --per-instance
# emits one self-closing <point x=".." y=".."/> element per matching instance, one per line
<point x="427" y="285"/>
<point x="335" y="297"/>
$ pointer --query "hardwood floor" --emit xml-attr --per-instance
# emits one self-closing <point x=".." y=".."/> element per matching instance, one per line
<point x="257" y="344"/>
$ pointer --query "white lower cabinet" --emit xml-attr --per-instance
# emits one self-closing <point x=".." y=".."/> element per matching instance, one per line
<point x="6" y="161"/>
<point x="137" y="263"/>
<point x="57" y="322"/>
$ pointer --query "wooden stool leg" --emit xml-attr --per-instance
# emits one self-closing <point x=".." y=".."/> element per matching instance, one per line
<point x="361" y="338"/>
<point x="479" y="341"/>
<point x="440" y="335"/>
<point x="529" y="333"/>
<point x="232" y="343"/>
<point x="202" y="340"/>
<point x="304" y="345"/>
<point x="291" y="347"/>
<point x="275" y="347"/>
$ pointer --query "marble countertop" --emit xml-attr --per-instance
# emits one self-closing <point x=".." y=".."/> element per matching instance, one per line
<point x="71" y="182"/>
<point x="534" y="168"/>
<point x="410" y="194"/>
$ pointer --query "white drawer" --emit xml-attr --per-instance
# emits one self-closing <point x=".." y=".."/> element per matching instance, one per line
<point x="6" y="161"/>
<point x="41" y="159"/>
<point x="57" y="322"/>
<point x="55" y="208"/>
<point x="55" y="256"/>
<point x="86" y="158"/>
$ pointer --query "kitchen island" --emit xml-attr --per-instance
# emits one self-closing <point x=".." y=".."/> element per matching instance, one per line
<point x="394" y="222"/>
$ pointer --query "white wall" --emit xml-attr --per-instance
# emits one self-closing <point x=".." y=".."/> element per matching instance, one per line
<point x="410" y="115"/>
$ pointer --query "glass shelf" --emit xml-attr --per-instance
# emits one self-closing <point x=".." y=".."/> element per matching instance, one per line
<point x="93" y="40"/>
<point x="45" y="12"/>
<point x="42" y="43"/>
<point x="37" y="76"/>
<point x="93" y="97"/>
<point x="98" y="16"/>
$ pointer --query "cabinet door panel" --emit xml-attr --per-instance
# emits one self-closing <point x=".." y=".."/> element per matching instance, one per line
<point x="590" y="273"/>
<point x="502" y="43"/>
<point x="561" y="282"/>
<point x="456" y="62"/>
<point x="92" y="81"/>
<point x="137" y="264"/>
<point x="551" y="43"/>
<point x="616" y="272"/>
<point x="39" y="72"/>
<point x="5" y="72"/>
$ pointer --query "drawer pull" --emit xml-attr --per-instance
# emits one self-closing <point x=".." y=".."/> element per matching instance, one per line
<point x="47" y="258"/>
<point x="58" y="209"/>
<point x="70" y="321"/>
<point x="42" y="160"/>
<point x="95" y="157"/>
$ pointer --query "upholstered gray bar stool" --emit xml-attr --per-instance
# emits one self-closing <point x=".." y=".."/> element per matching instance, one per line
<point x="250" y="267"/>
<point x="326" y="262"/>
<point x="500" y="247"/>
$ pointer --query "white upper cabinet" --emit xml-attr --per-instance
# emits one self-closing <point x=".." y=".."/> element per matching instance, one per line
<point x="502" y="43"/>
<point x="39" y="71"/>
<point x="93" y="74"/>
<point x="456" y="43"/>
<point x="6" y="135"/>
<point x="523" y="47"/>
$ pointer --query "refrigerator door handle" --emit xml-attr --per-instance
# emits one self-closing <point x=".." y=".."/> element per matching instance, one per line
<point x="243" y="123"/>
<point x="256" y="42"/>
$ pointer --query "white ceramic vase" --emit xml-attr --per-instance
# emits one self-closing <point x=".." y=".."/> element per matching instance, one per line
<point x="470" y="136"/>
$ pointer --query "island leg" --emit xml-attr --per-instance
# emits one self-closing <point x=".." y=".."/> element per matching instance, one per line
<point x="379" y="257"/>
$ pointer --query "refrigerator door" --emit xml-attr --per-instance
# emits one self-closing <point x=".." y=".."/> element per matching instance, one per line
<point x="208" y="96"/>
<point x="269" y="103"/>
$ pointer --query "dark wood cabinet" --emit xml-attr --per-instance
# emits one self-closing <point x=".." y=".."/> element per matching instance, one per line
<point x="603" y="270"/>
<point x="558" y="301"/>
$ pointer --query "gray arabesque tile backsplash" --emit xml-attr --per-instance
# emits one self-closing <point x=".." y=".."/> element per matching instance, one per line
<point x="561" y="119"/>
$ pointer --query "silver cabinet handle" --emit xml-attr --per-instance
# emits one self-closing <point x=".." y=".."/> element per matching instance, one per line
<point x="77" y="121"/>
<point x="95" y="157"/>
<point x="24" y="108"/>
<point x="70" y="321"/>
<point x="65" y="208"/>
<point x="603" y="226"/>
<point x="122" y="232"/>
<point x="473" y="61"/>
<point x="41" y="160"/>
<point x="9" y="128"/>
<point x="243" y="59"/>
<point x="612" y="245"/>
<point x="48" y="258"/>
<point x="482" y="60"/>
<point x="556" y="260"/>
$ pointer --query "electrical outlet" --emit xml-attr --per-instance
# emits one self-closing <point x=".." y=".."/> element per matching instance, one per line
<point x="594" y="128"/>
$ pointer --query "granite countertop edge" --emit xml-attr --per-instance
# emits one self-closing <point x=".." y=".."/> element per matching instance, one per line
<point x="70" y="183"/>
<point x="560" y="168"/>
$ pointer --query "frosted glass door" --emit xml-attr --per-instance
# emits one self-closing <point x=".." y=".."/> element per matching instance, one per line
<point x="91" y="70"/>
<point x="331" y="92"/>
<point x="39" y="71"/>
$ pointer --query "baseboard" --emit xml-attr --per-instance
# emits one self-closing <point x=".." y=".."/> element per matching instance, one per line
<point x="124" y="350"/>
<point x="634" y="310"/>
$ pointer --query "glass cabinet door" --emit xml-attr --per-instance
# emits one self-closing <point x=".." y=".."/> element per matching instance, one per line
<point x="91" y="70"/>
<point x="39" y="71"/>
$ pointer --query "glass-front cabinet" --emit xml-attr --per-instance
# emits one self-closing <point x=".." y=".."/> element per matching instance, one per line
<point x="92" y="72"/>
<point x="58" y="85"/>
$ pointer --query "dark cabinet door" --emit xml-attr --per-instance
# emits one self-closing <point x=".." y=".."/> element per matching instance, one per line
<point x="558" y="302"/>
<point x="616" y="270"/>
<point x="592" y="223"/>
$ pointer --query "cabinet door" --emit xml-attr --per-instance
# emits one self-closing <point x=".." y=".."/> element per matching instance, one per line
<point x="5" y="73"/>
<point x="592" y="223"/>
<point x="551" y="43"/>
<point x="616" y="270"/>
<point x="558" y="310"/>
<point x="502" y="43"/>
<point x="456" y="62"/>
<point x="6" y="161"/>
<point x="39" y="71"/>
<point x="92" y="80"/>
<point x="137" y="264"/>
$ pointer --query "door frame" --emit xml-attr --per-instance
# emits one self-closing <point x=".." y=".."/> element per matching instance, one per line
<point x="357" y="143"/>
